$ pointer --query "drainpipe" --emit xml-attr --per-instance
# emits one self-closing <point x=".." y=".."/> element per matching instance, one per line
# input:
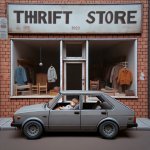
<point x="148" y="59"/>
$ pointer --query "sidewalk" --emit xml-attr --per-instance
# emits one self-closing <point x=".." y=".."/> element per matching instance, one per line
<point x="5" y="124"/>
<point x="143" y="124"/>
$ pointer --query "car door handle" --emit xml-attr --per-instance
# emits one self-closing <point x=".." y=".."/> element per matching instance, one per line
<point x="103" y="113"/>
<point x="44" y="116"/>
<point x="76" y="112"/>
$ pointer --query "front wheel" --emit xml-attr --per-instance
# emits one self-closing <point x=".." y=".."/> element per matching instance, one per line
<point x="33" y="130"/>
<point x="108" y="129"/>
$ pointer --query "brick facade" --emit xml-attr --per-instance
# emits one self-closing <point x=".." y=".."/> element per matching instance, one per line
<point x="9" y="106"/>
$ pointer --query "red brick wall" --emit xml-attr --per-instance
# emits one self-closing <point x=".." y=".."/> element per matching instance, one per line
<point x="8" y="106"/>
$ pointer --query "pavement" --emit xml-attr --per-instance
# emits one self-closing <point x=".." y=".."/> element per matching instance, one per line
<point x="143" y="124"/>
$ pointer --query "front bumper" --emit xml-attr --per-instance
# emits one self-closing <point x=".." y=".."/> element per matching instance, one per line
<point x="18" y="125"/>
<point x="132" y="125"/>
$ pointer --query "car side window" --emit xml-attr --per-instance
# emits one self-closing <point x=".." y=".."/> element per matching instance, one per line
<point x="92" y="102"/>
<point x="96" y="103"/>
<point x="67" y="102"/>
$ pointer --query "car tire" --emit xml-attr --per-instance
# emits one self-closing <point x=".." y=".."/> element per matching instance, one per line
<point x="108" y="129"/>
<point x="33" y="130"/>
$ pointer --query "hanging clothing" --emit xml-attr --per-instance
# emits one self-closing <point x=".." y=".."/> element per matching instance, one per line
<point x="51" y="74"/>
<point x="124" y="77"/>
<point x="20" y="76"/>
<point x="114" y="76"/>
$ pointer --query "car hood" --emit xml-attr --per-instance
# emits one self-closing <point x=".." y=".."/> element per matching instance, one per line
<point x="30" y="108"/>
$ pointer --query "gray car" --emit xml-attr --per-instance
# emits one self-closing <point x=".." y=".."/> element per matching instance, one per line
<point x="95" y="112"/>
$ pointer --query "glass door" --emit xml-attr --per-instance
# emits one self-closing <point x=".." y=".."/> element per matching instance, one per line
<point x="74" y="76"/>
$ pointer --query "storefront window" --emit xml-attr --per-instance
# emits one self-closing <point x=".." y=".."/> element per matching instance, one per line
<point x="112" y="67"/>
<point x="35" y="67"/>
<point x="41" y="67"/>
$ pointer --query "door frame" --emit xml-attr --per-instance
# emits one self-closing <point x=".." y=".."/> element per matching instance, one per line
<point x="83" y="73"/>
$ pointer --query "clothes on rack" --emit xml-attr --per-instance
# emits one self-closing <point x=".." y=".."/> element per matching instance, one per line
<point x="20" y="75"/>
<point x="51" y="74"/>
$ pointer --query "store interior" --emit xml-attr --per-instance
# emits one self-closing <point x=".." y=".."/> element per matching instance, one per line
<point x="36" y="57"/>
<point x="106" y="54"/>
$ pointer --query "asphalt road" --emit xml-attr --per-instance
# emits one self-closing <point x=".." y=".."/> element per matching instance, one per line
<point x="128" y="140"/>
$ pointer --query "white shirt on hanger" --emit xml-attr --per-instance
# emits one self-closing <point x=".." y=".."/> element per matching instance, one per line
<point x="51" y="74"/>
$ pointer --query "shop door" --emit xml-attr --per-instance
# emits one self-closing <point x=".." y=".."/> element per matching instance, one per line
<point x="74" y="76"/>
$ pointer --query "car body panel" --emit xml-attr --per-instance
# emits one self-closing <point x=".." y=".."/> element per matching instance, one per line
<point x="64" y="120"/>
<point x="31" y="108"/>
<point x="91" y="118"/>
<point x="33" y="112"/>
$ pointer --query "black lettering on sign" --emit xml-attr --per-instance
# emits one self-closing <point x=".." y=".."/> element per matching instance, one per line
<point x="120" y="15"/>
<point x="109" y="17"/>
<point x="42" y="17"/>
<point x="92" y="18"/>
<point x="56" y="16"/>
<point x="101" y="16"/>
<point x="18" y="13"/>
<point x="67" y="13"/>
<point x="31" y="17"/>
<point x="131" y="16"/>
<point x="49" y="17"/>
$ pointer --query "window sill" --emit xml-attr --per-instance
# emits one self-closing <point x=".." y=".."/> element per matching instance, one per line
<point x="125" y="97"/>
<point x="50" y="96"/>
<point x="32" y="97"/>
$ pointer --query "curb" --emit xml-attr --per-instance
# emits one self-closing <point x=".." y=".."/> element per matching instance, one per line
<point x="5" y="124"/>
<point x="141" y="129"/>
<point x="7" y="128"/>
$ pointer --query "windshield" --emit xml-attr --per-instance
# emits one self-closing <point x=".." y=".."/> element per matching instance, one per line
<point x="49" y="104"/>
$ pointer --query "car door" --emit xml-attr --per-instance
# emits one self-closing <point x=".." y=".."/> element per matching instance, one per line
<point x="90" y="117"/>
<point x="64" y="120"/>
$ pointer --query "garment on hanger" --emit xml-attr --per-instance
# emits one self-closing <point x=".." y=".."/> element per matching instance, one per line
<point x="114" y="75"/>
<point x="125" y="76"/>
<point x="20" y="75"/>
<point x="51" y="74"/>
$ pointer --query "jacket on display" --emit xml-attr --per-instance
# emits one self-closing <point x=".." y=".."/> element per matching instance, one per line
<point x="51" y="74"/>
<point x="20" y="75"/>
<point x="114" y="75"/>
<point x="124" y="77"/>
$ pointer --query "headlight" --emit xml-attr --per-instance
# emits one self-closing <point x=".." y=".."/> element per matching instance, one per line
<point x="18" y="117"/>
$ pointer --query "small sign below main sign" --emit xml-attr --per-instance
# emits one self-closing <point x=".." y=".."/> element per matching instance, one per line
<point x="3" y="28"/>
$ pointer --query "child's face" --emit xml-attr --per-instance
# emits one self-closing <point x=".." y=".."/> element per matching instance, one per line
<point x="72" y="103"/>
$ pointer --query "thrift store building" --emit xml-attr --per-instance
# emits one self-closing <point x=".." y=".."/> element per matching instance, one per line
<point x="81" y="45"/>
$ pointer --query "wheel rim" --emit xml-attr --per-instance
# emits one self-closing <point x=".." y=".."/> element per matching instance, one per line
<point x="33" y="129"/>
<point x="109" y="129"/>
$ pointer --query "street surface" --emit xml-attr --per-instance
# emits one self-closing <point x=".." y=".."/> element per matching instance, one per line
<point x="127" y="140"/>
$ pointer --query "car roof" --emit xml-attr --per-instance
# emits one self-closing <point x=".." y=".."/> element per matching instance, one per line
<point x="81" y="92"/>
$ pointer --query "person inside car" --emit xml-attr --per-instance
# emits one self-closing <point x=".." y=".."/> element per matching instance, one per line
<point x="72" y="104"/>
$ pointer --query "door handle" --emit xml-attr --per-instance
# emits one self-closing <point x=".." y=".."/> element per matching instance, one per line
<point x="44" y="116"/>
<point x="76" y="112"/>
<point x="103" y="113"/>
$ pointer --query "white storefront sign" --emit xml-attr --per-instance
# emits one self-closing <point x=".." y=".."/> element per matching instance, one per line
<point x="84" y="19"/>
